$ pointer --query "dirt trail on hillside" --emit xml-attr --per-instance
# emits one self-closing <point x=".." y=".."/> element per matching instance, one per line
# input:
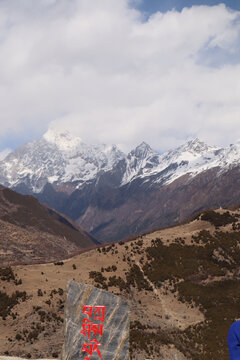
<point x="176" y="313"/>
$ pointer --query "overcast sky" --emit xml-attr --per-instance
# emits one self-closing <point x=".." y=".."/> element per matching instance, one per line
<point x="119" y="71"/>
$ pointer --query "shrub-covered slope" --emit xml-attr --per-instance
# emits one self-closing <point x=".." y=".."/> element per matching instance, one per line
<point x="183" y="283"/>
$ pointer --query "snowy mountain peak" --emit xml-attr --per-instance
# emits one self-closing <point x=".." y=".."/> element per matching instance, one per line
<point x="194" y="146"/>
<point x="142" y="150"/>
<point x="57" y="158"/>
<point x="4" y="153"/>
<point x="62" y="158"/>
<point x="62" y="139"/>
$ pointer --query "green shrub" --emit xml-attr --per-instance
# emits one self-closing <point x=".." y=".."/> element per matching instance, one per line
<point x="6" y="274"/>
<point x="8" y="302"/>
<point x="218" y="219"/>
<point x="40" y="293"/>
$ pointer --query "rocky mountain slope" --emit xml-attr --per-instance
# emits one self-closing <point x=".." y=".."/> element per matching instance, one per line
<point x="31" y="232"/>
<point x="114" y="195"/>
<point x="183" y="284"/>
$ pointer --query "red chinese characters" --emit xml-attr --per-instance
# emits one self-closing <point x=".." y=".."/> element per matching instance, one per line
<point x="90" y="328"/>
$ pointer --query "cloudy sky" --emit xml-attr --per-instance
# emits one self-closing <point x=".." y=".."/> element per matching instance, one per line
<point x="120" y="71"/>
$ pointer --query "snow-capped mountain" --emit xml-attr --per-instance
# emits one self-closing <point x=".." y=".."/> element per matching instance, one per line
<point x="59" y="157"/>
<point x="140" y="162"/>
<point x="113" y="194"/>
<point x="56" y="158"/>
<point x="192" y="158"/>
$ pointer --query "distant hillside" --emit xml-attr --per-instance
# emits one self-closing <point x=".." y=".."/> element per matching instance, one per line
<point x="31" y="232"/>
<point x="183" y="283"/>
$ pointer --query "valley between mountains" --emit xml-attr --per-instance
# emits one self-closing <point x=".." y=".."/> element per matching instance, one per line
<point x="114" y="195"/>
<point x="183" y="283"/>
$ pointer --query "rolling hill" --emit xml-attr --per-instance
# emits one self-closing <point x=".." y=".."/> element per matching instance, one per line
<point x="183" y="284"/>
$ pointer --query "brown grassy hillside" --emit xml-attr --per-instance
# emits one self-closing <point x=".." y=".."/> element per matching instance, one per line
<point x="31" y="232"/>
<point x="183" y="284"/>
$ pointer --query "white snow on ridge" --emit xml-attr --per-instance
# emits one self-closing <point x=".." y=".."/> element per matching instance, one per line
<point x="140" y="162"/>
<point x="60" y="157"/>
<point x="192" y="157"/>
<point x="4" y="153"/>
<point x="56" y="158"/>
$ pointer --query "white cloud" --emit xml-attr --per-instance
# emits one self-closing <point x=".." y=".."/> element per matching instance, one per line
<point x="98" y="68"/>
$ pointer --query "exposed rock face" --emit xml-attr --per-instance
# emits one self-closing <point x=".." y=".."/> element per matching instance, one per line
<point x="115" y="336"/>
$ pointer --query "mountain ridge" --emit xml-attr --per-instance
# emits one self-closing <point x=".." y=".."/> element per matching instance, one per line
<point x="58" y="156"/>
<point x="114" y="195"/>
